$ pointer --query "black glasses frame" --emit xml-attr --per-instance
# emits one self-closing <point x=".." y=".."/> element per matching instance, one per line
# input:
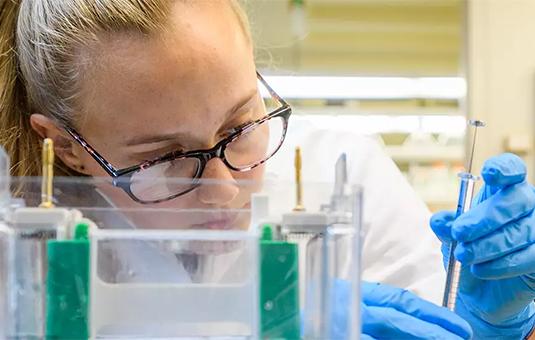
<point x="122" y="178"/>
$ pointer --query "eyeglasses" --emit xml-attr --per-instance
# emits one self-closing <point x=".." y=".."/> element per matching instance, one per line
<point x="177" y="173"/>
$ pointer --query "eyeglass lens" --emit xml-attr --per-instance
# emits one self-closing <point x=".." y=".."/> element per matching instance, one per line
<point x="171" y="178"/>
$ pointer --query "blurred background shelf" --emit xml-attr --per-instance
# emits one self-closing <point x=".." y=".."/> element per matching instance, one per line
<point x="360" y="37"/>
<point x="392" y="69"/>
<point x="426" y="154"/>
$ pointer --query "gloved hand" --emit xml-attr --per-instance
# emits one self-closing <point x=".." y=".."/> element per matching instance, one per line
<point x="496" y="247"/>
<point x="393" y="313"/>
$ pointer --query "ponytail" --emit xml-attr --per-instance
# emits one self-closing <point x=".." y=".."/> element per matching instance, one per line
<point x="22" y="144"/>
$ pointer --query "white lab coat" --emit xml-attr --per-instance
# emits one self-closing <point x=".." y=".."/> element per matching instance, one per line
<point x="399" y="247"/>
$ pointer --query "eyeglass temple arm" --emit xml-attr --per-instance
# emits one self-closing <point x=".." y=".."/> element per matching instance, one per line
<point x="96" y="156"/>
<point x="270" y="89"/>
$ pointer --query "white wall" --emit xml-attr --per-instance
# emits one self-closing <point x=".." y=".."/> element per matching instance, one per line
<point x="501" y="72"/>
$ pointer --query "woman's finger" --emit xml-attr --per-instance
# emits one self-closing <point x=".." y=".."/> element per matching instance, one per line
<point x="507" y="205"/>
<point x="504" y="241"/>
<point x="389" y="323"/>
<point x="520" y="262"/>
<point x="403" y="301"/>
<point x="441" y="223"/>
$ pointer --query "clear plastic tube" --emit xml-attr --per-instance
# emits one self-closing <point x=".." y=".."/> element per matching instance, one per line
<point x="466" y="194"/>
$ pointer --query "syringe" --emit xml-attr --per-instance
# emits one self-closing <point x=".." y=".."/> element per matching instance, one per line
<point x="466" y="193"/>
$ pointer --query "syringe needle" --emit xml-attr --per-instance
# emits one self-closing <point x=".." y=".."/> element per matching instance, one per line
<point x="298" y="182"/>
<point x="48" y="174"/>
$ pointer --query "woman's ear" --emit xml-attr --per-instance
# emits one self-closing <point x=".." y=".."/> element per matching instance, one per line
<point x="64" y="147"/>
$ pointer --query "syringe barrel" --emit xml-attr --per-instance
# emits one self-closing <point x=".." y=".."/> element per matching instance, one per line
<point x="453" y="267"/>
<point x="466" y="192"/>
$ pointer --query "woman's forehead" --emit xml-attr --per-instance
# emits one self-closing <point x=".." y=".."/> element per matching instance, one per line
<point x="190" y="70"/>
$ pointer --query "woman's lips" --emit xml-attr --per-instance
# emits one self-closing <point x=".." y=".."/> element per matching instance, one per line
<point x="215" y="225"/>
<point x="223" y="221"/>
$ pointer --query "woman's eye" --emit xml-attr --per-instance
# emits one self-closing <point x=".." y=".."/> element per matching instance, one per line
<point x="157" y="154"/>
<point x="238" y="128"/>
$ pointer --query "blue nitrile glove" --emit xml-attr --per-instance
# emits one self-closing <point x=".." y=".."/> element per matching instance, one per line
<point x="496" y="246"/>
<point x="394" y="313"/>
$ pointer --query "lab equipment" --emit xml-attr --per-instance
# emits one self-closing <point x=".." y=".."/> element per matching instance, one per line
<point x="328" y="243"/>
<point x="341" y="190"/>
<point x="5" y="238"/>
<point x="338" y="205"/>
<point x="495" y="247"/>
<point x="67" y="286"/>
<point x="26" y="255"/>
<point x="180" y="283"/>
<point x="298" y="182"/>
<point x="166" y="271"/>
<point x="394" y="313"/>
<point x="466" y="192"/>
<point x="5" y="191"/>
<point x="146" y="280"/>
<point x="48" y="174"/>
<point x="279" y="288"/>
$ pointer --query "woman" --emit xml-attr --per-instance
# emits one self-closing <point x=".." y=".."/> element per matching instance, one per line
<point x="133" y="89"/>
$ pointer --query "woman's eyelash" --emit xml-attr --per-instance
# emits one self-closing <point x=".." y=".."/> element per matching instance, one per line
<point x="165" y="155"/>
<point x="174" y="152"/>
<point x="170" y="154"/>
<point x="240" y="127"/>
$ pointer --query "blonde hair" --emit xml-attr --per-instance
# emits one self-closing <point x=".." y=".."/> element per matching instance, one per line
<point x="40" y="68"/>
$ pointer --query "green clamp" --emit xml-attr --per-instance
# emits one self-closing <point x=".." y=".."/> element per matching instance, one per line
<point x="68" y="287"/>
<point x="279" y="293"/>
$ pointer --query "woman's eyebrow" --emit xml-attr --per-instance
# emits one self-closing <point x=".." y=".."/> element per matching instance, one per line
<point x="242" y="103"/>
<point x="153" y="139"/>
<point x="139" y="140"/>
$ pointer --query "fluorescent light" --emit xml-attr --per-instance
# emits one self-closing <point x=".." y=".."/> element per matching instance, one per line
<point x="318" y="87"/>
<point x="377" y="124"/>
<point x="451" y="125"/>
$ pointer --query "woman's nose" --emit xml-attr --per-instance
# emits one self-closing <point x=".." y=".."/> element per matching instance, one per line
<point x="221" y="188"/>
